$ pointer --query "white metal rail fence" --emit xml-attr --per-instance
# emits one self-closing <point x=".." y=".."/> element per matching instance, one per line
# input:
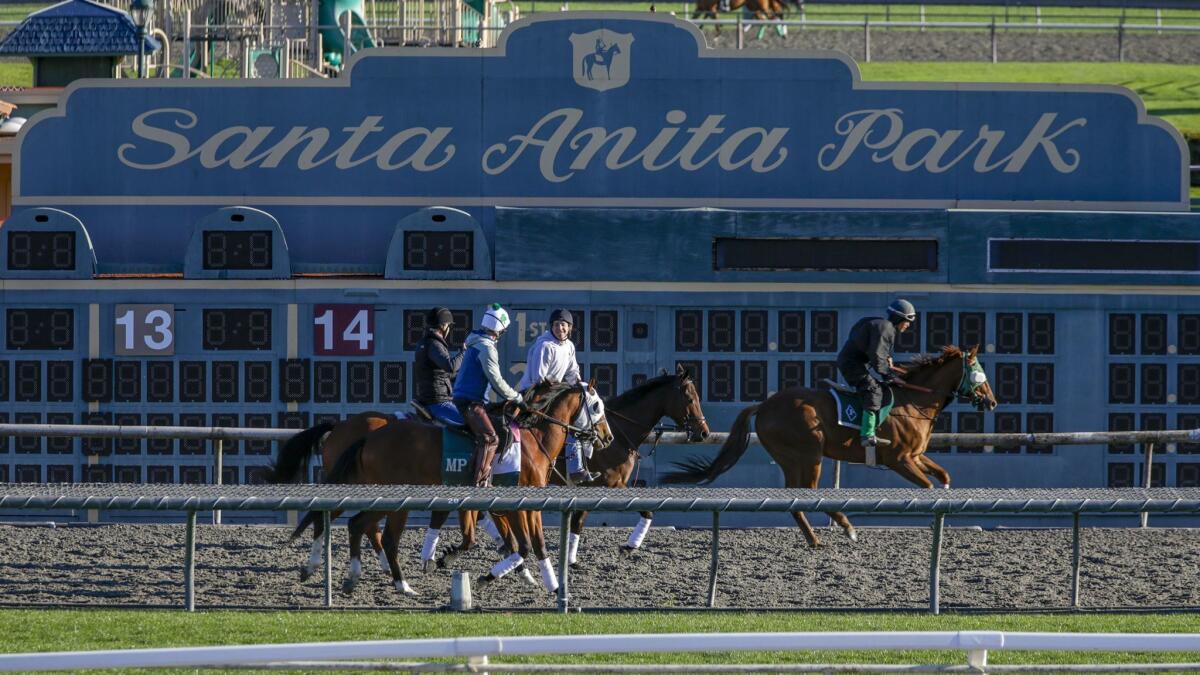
<point x="478" y="652"/>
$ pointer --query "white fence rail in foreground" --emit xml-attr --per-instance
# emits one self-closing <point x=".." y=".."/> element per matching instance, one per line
<point x="479" y="650"/>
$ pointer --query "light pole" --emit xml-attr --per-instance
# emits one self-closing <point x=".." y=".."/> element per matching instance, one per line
<point x="139" y="11"/>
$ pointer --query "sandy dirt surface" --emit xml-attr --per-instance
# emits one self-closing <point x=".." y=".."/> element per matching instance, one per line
<point x="256" y="566"/>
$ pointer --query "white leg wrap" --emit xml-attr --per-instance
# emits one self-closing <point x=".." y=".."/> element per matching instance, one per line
<point x="383" y="563"/>
<point x="528" y="576"/>
<point x="549" y="578"/>
<point x="431" y="541"/>
<point x="870" y="460"/>
<point x="572" y="548"/>
<point x="404" y="588"/>
<point x="355" y="568"/>
<point x="317" y="554"/>
<point x="507" y="565"/>
<point x="490" y="528"/>
<point x="639" y="533"/>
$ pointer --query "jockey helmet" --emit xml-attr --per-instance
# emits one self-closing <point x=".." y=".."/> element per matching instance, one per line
<point x="495" y="318"/>
<point x="438" y="316"/>
<point x="562" y="315"/>
<point x="902" y="310"/>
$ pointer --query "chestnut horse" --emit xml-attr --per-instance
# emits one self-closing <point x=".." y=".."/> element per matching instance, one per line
<point x="800" y="426"/>
<point x="763" y="10"/>
<point x="373" y="460"/>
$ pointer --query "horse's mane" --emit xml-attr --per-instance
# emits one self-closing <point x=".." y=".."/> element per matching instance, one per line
<point x="633" y="397"/>
<point x="923" y="363"/>
<point x="546" y="392"/>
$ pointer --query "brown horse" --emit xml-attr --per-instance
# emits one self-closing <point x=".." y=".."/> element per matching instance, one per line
<point x="763" y="10"/>
<point x="295" y="456"/>
<point x="800" y="426"/>
<point x="373" y="460"/>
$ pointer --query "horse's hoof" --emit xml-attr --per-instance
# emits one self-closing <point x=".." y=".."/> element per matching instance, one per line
<point x="305" y="573"/>
<point x="485" y="579"/>
<point x="405" y="589"/>
<point x="626" y="550"/>
<point x="348" y="586"/>
<point x="852" y="534"/>
<point x="528" y="577"/>
<point x="425" y="565"/>
<point x="576" y="566"/>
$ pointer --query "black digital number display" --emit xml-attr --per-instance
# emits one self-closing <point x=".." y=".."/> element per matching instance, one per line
<point x="605" y="375"/>
<point x="939" y="330"/>
<point x="720" y="380"/>
<point x="1008" y="423"/>
<point x="257" y="378"/>
<point x="237" y="329"/>
<point x="159" y="446"/>
<point x="970" y="423"/>
<point x="822" y="370"/>
<point x="825" y="332"/>
<point x="225" y="381"/>
<point x="604" y="332"/>
<point x="753" y="381"/>
<point x="1041" y="333"/>
<point x="237" y="249"/>
<point x="1189" y="334"/>
<point x="1008" y="333"/>
<point x="393" y="382"/>
<point x="128" y="381"/>
<point x="60" y="381"/>
<point x="579" y="329"/>
<point x="1154" y="333"/>
<point x="1189" y="383"/>
<point x="1039" y="423"/>
<point x="688" y="330"/>
<point x="439" y="251"/>
<point x="360" y="382"/>
<point x="1121" y="334"/>
<point x="160" y="381"/>
<point x="464" y="323"/>
<point x="1188" y="421"/>
<point x="414" y="328"/>
<point x="128" y="446"/>
<point x="1154" y="383"/>
<point x="819" y="255"/>
<point x="327" y="382"/>
<point x="257" y="421"/>
<point x="193" y="381"/>
<point x="97" y="380"/>
<point x="293" y="380"/>
<point x="754" y="331"/>
<point x="40" y="329"/>
<point x="29" y="381"/>
<point x="791" y="331"/>
<point x="1120" y="475"/>
<point x="1007" y="383"/>
<point x="972" y="329"/>
<point x="41" y="251"/>
<point x="1041" y="383"/>
<point x="791" y="375"/>
<point x="1120" y="383"/>
<point x="720" y="331"/>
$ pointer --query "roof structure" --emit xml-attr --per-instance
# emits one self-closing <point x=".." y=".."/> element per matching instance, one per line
<point x="75" y="28"/>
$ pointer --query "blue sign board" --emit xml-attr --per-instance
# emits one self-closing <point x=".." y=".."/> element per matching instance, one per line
<point x="583" y="109"/>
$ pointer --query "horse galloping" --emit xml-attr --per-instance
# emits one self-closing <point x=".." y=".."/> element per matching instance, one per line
<point x="762" y="10"/>
<point x="799" y="427"/>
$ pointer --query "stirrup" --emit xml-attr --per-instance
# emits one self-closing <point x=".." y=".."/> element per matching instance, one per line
<point x="585" y="476"/>
<point x="873" y="440"/>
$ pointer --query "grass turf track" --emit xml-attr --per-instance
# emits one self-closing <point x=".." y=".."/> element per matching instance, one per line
<point x="51" y="630"/>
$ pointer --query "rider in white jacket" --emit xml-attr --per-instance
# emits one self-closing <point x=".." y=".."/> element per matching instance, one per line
<point x="552" y="357"/>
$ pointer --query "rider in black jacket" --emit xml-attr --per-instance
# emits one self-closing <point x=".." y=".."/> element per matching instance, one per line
<point x="866" y="360"/>
<point x="434" y="367"/>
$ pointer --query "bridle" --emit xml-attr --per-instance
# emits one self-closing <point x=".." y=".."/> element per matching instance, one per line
<point x="967" y="391"/>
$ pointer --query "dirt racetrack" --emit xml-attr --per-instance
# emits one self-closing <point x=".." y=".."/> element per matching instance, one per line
<point x="254" y="566"/>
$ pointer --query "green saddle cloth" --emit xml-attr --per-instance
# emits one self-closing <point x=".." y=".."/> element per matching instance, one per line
<point x="849" y="407"/>
<point x="458" y="452"/>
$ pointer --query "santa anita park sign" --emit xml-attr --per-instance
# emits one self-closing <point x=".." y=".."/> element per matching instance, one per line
<point x="583" y="109"/>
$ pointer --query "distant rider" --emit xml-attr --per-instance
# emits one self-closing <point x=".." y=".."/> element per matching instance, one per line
<point x="552" y="357"/>
<point x="866" y="364"/>
<point x="434" y="367"/>
<point x="481" y="368"/>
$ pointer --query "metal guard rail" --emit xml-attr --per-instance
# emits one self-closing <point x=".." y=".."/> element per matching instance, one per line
<point x="151" y="497"/>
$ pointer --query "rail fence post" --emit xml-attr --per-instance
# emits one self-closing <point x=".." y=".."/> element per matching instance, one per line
<point x="328" y="522"/>
<point x="993" y="32"/>
<point x="1075" y="557"/>
<point x="741" y="40"/>
<point x="1148" y="479"/>
<point x="218" y="471"/>
<point x="1121" y="40"/>
<point x="189" y="564"/>
<point x="837" y="485"/>
<point x="563" y="564"/>
<point x="935" y="565"/>
<point x="712" y="566"/>
<point x="867" y="39"/>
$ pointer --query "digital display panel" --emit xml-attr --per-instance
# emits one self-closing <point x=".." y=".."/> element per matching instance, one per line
<point x="753" y="381"/>
<point x="791" y="375"/>
<point x="1154" y="334"/>
<point x="294" y="380"/>
<point x="1041" y="383"/>
<point x="327" y="382"/>
<point x="439" y="251"/>
<point x="939" y="330"/>
<point x="1154" y="383"/>
<point x="360" y="382"/>
<point x="821" y="255"/>
<point x="1189" y="334"/>
<point x="41" y="251"/>
<point x="160" y="381"/>
<point x="720" y="381"/>
<point x="1041" y="333"/>
<point x="128" y="381"/>
<point x="60" y="381"/>
<point x="237" y="249"/>
<point x="825" y="332"/>
<point x="791" y="331"/>
<point x="258" y="381"/>
<point x="393" y="383"/>
<point x="754" y="331"/>
<point x="688" y="330"/>
<point x="720" y="331"/>
<point x="40" y="329"/>
<point x="1121" y="383"/>
<point x="1122" y="334"/>
<point x="1189" y="383"/>
<point x="1007" y="383"/>
<point x="1008" y="333"/>
<point x="1079" y="255"/>
<point x="237" y="329"/>
<point x="972" y="329"/>
<point x="604" y="330"/>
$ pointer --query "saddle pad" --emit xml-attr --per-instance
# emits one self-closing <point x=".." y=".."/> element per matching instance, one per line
<point x="458" y="452"/>
<point x="849" y="408"/>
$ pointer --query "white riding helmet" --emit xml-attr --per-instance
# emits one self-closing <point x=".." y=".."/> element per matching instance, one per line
<point x="495" y="319"/>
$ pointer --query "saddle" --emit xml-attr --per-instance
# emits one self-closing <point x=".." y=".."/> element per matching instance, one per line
<point x="498" y="423"/>
<point x="849" y="404"/>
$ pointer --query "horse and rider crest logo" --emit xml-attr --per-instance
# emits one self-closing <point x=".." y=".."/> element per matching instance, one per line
<point x="600" y="59"/>
<point x="850" y="412"/>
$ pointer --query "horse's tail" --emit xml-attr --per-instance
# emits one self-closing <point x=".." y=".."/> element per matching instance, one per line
<point x="309" y="518"/>
<point x="345" y="469"/>
<point x="296" y="453"/>
<point x="702" y="470"/>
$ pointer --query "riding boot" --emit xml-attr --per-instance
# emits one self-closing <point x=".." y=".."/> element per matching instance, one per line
<point x="484" y="454"/>
<point x="867" y="435"/>
<point x="577" y="462"/>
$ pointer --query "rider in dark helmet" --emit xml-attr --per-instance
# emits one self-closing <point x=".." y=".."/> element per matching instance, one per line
<point x="866" y="363"/>
<point x="434" y="367"/>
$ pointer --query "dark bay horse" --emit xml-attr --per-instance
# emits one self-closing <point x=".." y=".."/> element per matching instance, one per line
<point x="799" y="426"/>
<point x="632" y="416"/>
<point x="763" y="10"/>
<point x="409" y="452"/>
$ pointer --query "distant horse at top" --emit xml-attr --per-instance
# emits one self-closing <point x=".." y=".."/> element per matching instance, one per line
<point x="601" y="57"/>
<point x="762" y="10"/>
